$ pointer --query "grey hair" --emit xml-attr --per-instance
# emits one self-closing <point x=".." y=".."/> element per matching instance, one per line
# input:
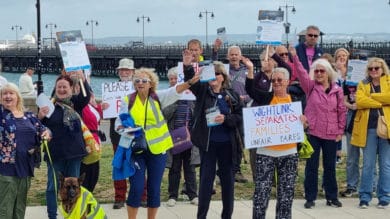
<point x="234" y="47"/>
<point x="283" y="71"/>
<point x="312" y="27"/>
<point x="172" y="72"/>
<point x="332" y="74"/>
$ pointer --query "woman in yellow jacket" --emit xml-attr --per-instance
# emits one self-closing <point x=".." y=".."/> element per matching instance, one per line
<point x="372" y="98"/>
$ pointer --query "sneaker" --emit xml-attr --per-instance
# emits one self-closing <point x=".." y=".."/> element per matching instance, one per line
<point x="348" y="193"/>
<point x="171" y="202"/>
<point x="238" y="177"/>
<point x="309" y="204"/>
<point x="118" y="204"/>
<point x="338" y="160"/>
<point x="194" y="201"/>
<point x="363" y="205"/>
<point x="383" y="204"/>
<point x="334" y="203"/>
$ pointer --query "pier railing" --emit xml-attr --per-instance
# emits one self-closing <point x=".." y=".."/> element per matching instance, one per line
<point x="104" y="60"/>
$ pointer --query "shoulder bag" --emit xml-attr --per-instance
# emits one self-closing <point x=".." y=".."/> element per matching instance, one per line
<point x="181" y="138"/>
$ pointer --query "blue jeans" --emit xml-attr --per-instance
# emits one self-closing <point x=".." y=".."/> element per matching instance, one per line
<point x="329" y="148"/>
<point x="154" y="165"/>
<point x="68" y="168"/>
<point x="353" y="155"/>
<point x="375" y="146"/>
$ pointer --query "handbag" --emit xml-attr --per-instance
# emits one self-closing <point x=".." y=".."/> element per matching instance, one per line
<point x="91" y="146"/>
<point x="139" y="144"/>
<point x="381" y="129"/>
<point x="305" y="149"/>
<point x="181" y="137"/>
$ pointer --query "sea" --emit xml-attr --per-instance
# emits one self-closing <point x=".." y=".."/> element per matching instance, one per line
<point x="49" y="81"/>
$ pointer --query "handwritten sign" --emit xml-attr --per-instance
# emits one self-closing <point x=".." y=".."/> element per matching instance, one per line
<point x="273" y="125"/>
<point x="73" y="51"/>
<point x="356" y="71"/>
<point x="112" y="93"/>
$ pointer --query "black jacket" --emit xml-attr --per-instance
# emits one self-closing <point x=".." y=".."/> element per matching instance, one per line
<point x="205" y="99"/>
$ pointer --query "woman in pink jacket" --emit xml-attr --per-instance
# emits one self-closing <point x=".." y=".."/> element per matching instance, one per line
<point x="326" y="115"/>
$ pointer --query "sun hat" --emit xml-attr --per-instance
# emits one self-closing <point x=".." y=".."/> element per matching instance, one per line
<point x="126" y="63"/>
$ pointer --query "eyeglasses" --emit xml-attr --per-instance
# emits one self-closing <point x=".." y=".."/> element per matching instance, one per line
<point x="373" y="68"/>
<point x="319" y="71"/>
<point x="218" y="73"/>
<point x="143" y="80"/>
<point x="312" y="35"/>
<point x="279" y="80"/>
<point x="283" y="54"/>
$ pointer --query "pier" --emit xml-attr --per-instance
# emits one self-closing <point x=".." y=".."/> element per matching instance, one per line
<point x="104" y="60"/>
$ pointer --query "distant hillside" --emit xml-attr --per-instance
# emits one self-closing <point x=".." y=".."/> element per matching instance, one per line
<point x="234" y="39"/>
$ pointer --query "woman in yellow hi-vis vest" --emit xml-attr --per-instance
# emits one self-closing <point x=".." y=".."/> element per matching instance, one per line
<point x="145" y="106"/>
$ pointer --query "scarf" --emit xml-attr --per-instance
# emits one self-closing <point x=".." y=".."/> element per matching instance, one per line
<point x="69" y="113"/>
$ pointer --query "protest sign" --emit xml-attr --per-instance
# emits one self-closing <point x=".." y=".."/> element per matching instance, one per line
<point x="273" y="125"/>
<point x="270" y="28"/>
<point x="221" y="33"/>
<point x="356" y="71"/>
<point x="73" y="51"/>
<point x="112" y="93"/>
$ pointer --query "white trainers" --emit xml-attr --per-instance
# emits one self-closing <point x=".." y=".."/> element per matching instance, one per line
<point x="171" y="202"/>
<point x="194" y="201"/>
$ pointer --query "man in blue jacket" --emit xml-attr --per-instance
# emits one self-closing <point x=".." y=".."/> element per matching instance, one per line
<point x="309" y="51"/>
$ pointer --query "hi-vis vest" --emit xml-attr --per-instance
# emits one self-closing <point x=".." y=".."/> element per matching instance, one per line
<point x="156" y="131"/>
<point x="81" y="205"/>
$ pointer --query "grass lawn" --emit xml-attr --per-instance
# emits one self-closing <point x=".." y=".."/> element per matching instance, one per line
<point x="104" y="190"/>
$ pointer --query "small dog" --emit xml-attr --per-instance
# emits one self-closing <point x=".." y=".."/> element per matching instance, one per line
<point x="72" y="194"/>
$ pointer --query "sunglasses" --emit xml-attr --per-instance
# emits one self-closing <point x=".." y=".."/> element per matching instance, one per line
<point x="143" y="80"/>
<point x="279" y="80"/>
<point x="218" y="73"/>
<point x="283" y="54"/>
<point x="317" y="71"/>
<point x="373" y="68"/>
<point x="312" y="35"/>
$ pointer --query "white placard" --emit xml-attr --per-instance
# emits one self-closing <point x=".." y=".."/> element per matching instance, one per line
<point x="73" y="50"/>
<point x="273" y="125"/>
<point x="269" y="32"/>
<point x="112" y="93"/>
<point x="207" y="73"/>
<point x="43" y="100"/>
<point x="356" y="71"/>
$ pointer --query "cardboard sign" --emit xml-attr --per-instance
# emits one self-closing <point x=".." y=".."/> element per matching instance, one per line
<point x="112" y="93"/>
<point x="273" y="125"/>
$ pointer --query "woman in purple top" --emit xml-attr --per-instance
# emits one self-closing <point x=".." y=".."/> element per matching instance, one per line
<point x="20" y="136"/>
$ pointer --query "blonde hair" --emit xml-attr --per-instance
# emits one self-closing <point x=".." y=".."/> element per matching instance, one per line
<point x="341" y="50"/>
<point x="384" y="66"/>
<point x="13" y="88"/>
<point x="150" y="74"/>
<point x="220" y="67"/>
<point x="332" y="74"/>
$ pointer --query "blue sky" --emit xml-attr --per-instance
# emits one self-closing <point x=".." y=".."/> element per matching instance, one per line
<point x="180" y="17"/>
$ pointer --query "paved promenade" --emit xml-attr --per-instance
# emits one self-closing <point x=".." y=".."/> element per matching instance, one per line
<point x="243" y="210"/>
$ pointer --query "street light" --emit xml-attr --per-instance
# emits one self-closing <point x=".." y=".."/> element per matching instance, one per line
<point x="39" y="46"/>
<point x="287" y="24"/>
<point x="206" y="13"/>
<point x="16" y="28"/>
<point x="51" y="26"/>
<point x="92" y="23"/>
<point x="143" y="26"/>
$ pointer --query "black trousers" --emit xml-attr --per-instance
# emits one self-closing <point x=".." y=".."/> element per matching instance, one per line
<point x="179" y="160"/>
<point x="220" y="153"/>
<point x="91" y="175"/>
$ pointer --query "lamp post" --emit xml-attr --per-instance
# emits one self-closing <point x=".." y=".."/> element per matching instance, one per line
<point x="92" y="23"/>
<point x="287" y="24"/>
<point x="16" y="28"/>
<point x="39" y="46"/>
<point x="143" y="17"/>
<point x="206" y="13"/>
<point x="51" y="26"/>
